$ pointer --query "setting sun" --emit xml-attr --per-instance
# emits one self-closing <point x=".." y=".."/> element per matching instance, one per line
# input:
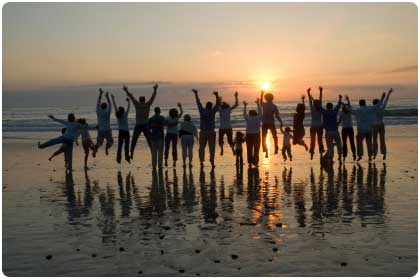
<point x="265" y="86"/>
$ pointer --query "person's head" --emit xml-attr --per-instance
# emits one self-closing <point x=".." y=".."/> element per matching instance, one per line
<point x="287" y="129"/>
<point x="300" y="108"/>
<point x="252" y="112"/>
<point x="173" y="113"/>
<point x="362" y="102"/>
<point x="142" y="99"/>
<point x="81" y="121"/>
<point x="187" y="117"/>
<point x="71" y="117"/>
<point x="157" y="110"/>
<point x="345" y="108"/>
<point x="104" y="105"/>
<point x="329" y="106"/>
<point x="239" y="135"/>
<point x="375" y="101"/>
<point x="209" y="105"/>
<point x="268" y="97"/>
<point x="225" y="105"/>
<point x="317" y="104"/>
<point x="63" y="130"/>
<point x="120" y="112"/>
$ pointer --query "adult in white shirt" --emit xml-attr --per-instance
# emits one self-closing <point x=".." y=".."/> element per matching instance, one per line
<point x="317" y="129"/>
<point x="103" y="112"/>
<point x="253" y="138"/>
<point x="378" y="125"/>
<point x="347" y="132"/>
<point x="123" y="130"/>
<point x="171" y="122"/>
<point x="225" y="127"/>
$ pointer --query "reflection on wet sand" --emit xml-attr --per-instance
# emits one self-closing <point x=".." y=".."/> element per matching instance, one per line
<point x="344" y="194"/>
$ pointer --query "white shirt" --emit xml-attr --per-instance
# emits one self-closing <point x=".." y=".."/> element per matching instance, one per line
<point x="104" y="117"/>
<point x="346" y="119"/>
<point x="253" y="123"/>
<point x="364" y="117"/>
<point x="188" y="127"/>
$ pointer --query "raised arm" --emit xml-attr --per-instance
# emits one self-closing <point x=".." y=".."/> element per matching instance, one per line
<point x="64" y="122"/>
<point x="98" y="104"/>
<point x="113" y="101"/>
<point x="281" y="129"/>
<point x="181" y="111"/>
<point x="338" y="106"/>
<point x="197" y="100"/>
<point x="129" y="95"/>
<point x="320" y="94"/>
<point x="309" y="96"/>
<point x="150" y="102"/>
<point x="244" y="111"/>
<point x="387" y="98"/>
<point x="261" y="96"/>
<point x="128" y="105"/>
<point x="218" y="101"/>
<point x="258" y="102"/>
<point x="236" y="102"/>
<point x="108" y="100"/>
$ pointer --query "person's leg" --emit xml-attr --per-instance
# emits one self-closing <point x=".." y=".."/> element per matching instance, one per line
<point x="369" y="144"/>
<point x="109" y="140"/>
<point x="174" y="139"/>
<point x="190" y="149"/>
<point x="167" y="143"/>
<point x="330" y="144"/>
<point x="212" y="146"/>
<point x="320" y="133"/>
<point x="134" y="139"/>
<point x="257" y="143"/>
<point x="359" y="140"/>
<point x="344" y="135"/>
<point x="289" y="152"/>
<point x="229" y="134"/>
<point x="283" y="152"/>
<point x="249" y="146"/>
<point x="313" y="133"/>
<point x="51" y="142"/>
<point x="58" y="151"/>
<point x="127" y="146"/>
<point x="222" y="133"/>
<point x="338" y="143"/>
<point x="273" y="131"/>
<point x="264" y="136"/>
<point x="160" y="143"/>
<point x="202" y="145"/>
<point x="382" y="140"/>
<point x="352" y="145"/>
<point x="119" y="145"/>
<point x="68" y="154"/>
<point x="184" y="149"/>
<point x="154" y="150"/>
<point x="145" y="129"/>
<point x="99" y="139"/>
<point x="241" y="157"/>
<point x="375" y="140"/>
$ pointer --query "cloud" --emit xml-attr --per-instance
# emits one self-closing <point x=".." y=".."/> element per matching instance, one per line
<point x="406" y="69"/>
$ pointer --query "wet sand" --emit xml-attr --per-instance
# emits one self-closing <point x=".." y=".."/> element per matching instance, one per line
<point x="284" y="219"/>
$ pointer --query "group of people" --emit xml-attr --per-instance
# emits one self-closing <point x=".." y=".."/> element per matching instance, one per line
<point x="259" y="121"/>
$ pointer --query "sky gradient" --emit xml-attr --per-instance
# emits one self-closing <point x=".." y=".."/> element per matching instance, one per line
<point x="61" y="48"/>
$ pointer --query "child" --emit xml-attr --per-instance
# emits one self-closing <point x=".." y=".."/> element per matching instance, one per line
<point x="187" y="132"/>
<point x="298" y="129"/>
<point x="59" y="150"/>
<point x="287" y="147"/>
<point x="253" y="138"/>
<point x="239" y="140"/>
<point x="87" y="142"/>
<point x="172" y="133"/>
<point x="123" y="130"/>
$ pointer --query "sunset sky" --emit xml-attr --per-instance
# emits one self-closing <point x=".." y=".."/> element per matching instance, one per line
<point x="65" y="47"/>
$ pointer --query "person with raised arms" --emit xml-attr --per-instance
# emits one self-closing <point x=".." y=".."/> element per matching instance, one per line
<point x="253" y="136"/>
<point x="103" y="112"/>
<point x="225" y="127"/>
<point x="123" y="130"/>
<point x="316" y="130"/>
<point x="269" y="110"/>
<point x="378" y="124"/>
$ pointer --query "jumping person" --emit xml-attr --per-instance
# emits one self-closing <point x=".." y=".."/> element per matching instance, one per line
<point x="298" y="129"/>
<point x="239" y="140"/>
<point x="103" y="112"/>
<point x="287" y="147"/>
<point x="378" y="125"/>
<point x="332" y="136"/>
<point x="253" y="137"/>
<point x="157" y="134"/>
<point x="269" y="110"/>
<point x="60" y="150"/>
<point x="316" y="130"/>
<point x="172" y="133"/>
<point x="207" y="133"/>
<point x="123" y="130"/>
<point x="187" y="133"/>
<point x="347" y="132"/>
<point x="225" y="125"/>
<point x="87" y="142"/>
<point x="364" y="120"/>
<point x="142" y="117"/>
<point x="68" y="138"/>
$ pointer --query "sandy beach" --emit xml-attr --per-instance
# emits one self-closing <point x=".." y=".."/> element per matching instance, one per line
<point x="284" y="219"/>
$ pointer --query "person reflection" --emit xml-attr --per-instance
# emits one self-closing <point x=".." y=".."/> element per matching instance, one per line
<point x="125" y="194"/>
<point x="208" y="197"/>
<point x="348" y="193"/>
<point x="188" y="190"/>
<point x="157" y="193"/>
<point x="239" y="180"/>
<point x="107" y="222"/>
<point x="254" y="194"/>
<point x="287" y="185"/>
<point x="172" y="196"/>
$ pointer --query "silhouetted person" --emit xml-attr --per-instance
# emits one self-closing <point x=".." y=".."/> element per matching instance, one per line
<point x="225" y="127"/>
<point x="172" y="133"/>
<point x="60" y="150"/>
<point x="207" y="133"/>
<point x="364" y="119"/>
<point x="157" y="134"/>
<point x="103" y="112"/>
<point x="123" y="130"/>
<point x="298" y="129"/>
<point x="87" y="142"/>
<point x="269" y="110"/>
<point x="332" y="136"/>
<point x="68" y="138"/>
<point x="239" y="140"/>
<point x="187" y="133"/>
<point x="347" y="132"/>
<point x="287" y="146"/>
<point x="253" y="137"/>
<point x="317" y="129"/>
<point x="378" y="125"/>
<point x="142" y="117"/>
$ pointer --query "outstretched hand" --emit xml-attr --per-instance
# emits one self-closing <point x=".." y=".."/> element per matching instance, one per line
<point x="340" y="97"/>
<point x="179" y="105"/>
<point x="215" y="93"/>
<point x="101" y="91"/>
<point x="245" y="103"/>
<point x="303" y="97"/>
<point x="257" y="101"/>
<point x="125" y="88"/>
<point x="390" y="90"/>
<point x="320" y="88"/>
<point x="50" y="116"/>
<point x="128" y="100"/>
<point x="155" y="87"/>
<point x="194" y="90"/>
<point x="308" y="90"/>
<point x="236" y="94"/>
